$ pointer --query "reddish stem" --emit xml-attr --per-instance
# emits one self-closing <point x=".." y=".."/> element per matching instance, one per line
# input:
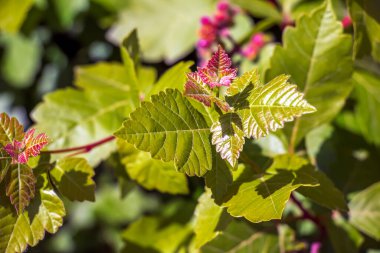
<point x="315" y="246"/>
<point x="81" y="149"/>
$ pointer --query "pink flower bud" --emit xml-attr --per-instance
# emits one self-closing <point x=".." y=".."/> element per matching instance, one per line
<point x="346" y="21"/>
<point x="203" y="43"/>
<point x="223" y="6"/>
<point x="206" y="20"/>
<point x="258" y="39"/>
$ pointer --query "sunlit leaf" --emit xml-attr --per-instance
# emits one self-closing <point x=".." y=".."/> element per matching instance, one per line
<point x="172" y="130"/>
<point x="150" y="173"/>
<point x="10" y="129"/>
<point x="262" y="197"/>
<point x="210" y="219"/>
<point x="239" y="237"/>
<point x="13" y="13"/>
<point x="162" y="44"/>
<point x="310" y="49"/>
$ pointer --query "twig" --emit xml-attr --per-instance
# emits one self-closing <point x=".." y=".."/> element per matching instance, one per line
<point x="81" y="149"/>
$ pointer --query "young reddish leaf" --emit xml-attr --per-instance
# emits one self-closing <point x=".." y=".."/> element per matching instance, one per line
<point x="21" y="186"/>
<point x="30" y="146"/>
<point x="218" y="71"/>
<point x="33" y="145"/>
<point x="10" y="129"/>
<point x="197" y="89"/>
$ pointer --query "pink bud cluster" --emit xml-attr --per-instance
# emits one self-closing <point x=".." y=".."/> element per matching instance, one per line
<point x="256" y="43"/>
<point x="214" y="28"/>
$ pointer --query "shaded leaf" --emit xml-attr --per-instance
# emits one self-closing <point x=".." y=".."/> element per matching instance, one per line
<point x="310" y="49"/>
<point x="21" y="186"/>
<point x="239" y="237"/>
<point x="45" y="213"/>
<point x="158" y="236"/>
<point x="365" y="15"/>
<point x="366" y="116"/>
<point x="343" y="236"/>
<point x="219" y="178"/>
<point x="262" y="197"/>
<point x="228" y="137"/>
<point x="260" y="9"/>
<point x="170" y="129"/>
<point x="73" y="178"/>
<point x="150" y="173"/>
<point x="365" y="211"/>
<point x="210" y="219"/>
<point x="315" y="139"/>
<point x="130" y="46"/>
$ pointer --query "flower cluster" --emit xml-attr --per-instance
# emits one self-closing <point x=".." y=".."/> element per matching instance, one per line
<point x="214" y="28"/>
<point x="20" y="151"/>
<point x="256" y="43"/>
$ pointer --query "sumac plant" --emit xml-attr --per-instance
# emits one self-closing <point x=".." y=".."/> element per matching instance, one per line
<point x="263" y="147"/>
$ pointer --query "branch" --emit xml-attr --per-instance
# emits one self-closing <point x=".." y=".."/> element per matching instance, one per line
<point x="81" y="149"/>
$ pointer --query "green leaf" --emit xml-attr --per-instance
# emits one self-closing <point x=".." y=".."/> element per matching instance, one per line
<point x="219" y="178"/>
<point x="5" y="163"/>
<point x="162" y="44"/>
<point x="365" y="15"/>
<point x="45" y="213"/>
<point x="67" y="10"/>
<point x="315" y="139"/>
<point x="326" y="194"/>
<point x="209" y="219"/>
<point x="365" y="211"/>
<point x="21" y="53"/>
<point x="73" y="178"/>
<point x="174" y="78"/>
<point x="158" y="235"/>
<point x="366" y="115"/>
<point x="239" y="237"/>
<point x="228" y="137"/>
<point x="310" y="49"/>
<point x="150" y="173"/>
<point x="13" y="13"/>
<point x="287" y="240"/>
<point x="265" y="108"/>
<point x="262" y="197"/>
<point x="76" y="117"/>
<point x="130" y="48"/>
<point x="10" y="129"/>
<point x="343" y="236"/>
<point x="170" y="129"/>
<point x="21" y="186"/>
<point x="260" y="9"/>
